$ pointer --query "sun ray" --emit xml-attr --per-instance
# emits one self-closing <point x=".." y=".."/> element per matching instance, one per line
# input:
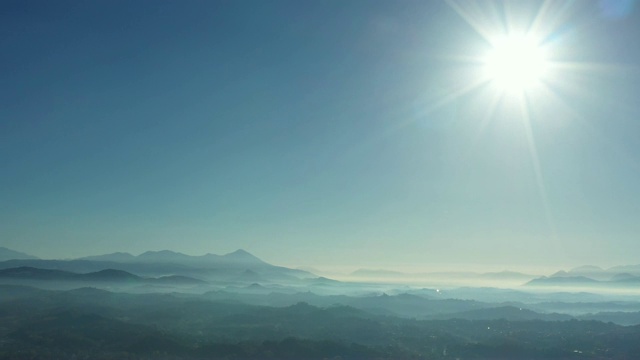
<point x="518" y="67"/>
<point x="548" y="19"/>
<point x="455" y="95"/>
<point x="473" y="18"/>
<point x="537" y="168"/>
<point x="496" y="98"/>
<point x="538" y="19"/>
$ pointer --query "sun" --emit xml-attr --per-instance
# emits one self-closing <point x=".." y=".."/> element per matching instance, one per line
<point x="515" y="63"/>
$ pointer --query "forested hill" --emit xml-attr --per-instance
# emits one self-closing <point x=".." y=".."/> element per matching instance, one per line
<point x="96" y="324"/>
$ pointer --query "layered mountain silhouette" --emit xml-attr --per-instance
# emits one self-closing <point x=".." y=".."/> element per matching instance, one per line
<point x="510" y="313"/>
<point x="168" y="256"/>
<point x="228" y="267"/>
<point x="26" y="273"/>
<point x="241" y="266"/>
<point x="566" y="279"/>
<point x="8" y="254"/>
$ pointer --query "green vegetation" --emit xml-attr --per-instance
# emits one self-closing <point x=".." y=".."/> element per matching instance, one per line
<point x="96" y="324"/>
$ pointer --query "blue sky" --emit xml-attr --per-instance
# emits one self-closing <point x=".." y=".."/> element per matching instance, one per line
<point x="318" y="133"/>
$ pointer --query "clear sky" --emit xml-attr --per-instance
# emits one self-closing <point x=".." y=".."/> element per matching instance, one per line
<point x="319" y="133"/>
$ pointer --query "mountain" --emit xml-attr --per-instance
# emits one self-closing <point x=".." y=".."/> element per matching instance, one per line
<point x="594" y="272"/>
<point x="323" y="281"/>
<point x="624" y="277"/>
<point x="563" y="281"/>
<point x="8" y="254"/>
<point x="167" y="256"/>
<point x="208" y="267"/>
<point x="86" y="266"/>
<point x="632" y="269"/>
<point x="107" y="275"/>
<point x="30" y="273"/>
<point x="598" y="273"/>
<point x="509" y="313"/>
<point x="178" y="280"/>
<point x="110" y="275"/>
<point x="619" y="317"/>
<point x="623" y="280"/>
<point x="241" y="256"/>
<point x="250" y="276"/>
<point x="560" y="273"/>
<point x="164" y="256"/>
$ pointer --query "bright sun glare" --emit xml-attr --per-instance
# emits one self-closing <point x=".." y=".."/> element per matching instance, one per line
<point x="515" y="63"/>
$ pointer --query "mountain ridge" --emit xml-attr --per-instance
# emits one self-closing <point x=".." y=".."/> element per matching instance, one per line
<point x="167" y="262"/>
<point x="9" y="254"/>
<point x="107" y="275"/>
<point x="170" y="256"/>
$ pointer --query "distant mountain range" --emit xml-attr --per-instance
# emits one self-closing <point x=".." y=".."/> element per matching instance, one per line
<point x="166" y="256"/>
<point x="229" y="267"/>
<point x="242" y="267"/>
<point x="8" y="254"/>
<point x="510" y="313"/>
<point x="598" y="273"/>
<point x="575" y="279"/>
<point x="108" y="275"/>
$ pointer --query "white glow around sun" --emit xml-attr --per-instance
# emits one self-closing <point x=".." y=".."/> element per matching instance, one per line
<point x="515" y="63"/>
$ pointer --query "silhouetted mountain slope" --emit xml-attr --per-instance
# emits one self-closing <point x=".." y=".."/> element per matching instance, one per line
<point x="590" y="271"/>
<point x="211" y="267"/>
<point x="164" y="256"/>
<point x="623" y="277"/>
<point x="107" y="275"/>
<point x="250" y="276"/>
<point x="598" y="273"/>
<point x="563" y="280"/>
<point x="617" y="281"/>
<point x="617" y="317"/>
<point x="241" y="256"/>
<point x="110" y="275"/>
<point x="167" y="256"/>
<point x="31" y="273"/>
<point x="8" y="254"/>
<point x="632" y="269"/>
<point x="322" y="281"/>
<point x="85" y="266"/>
<point x="177" y="279"/>
<point x="509" y="313"/>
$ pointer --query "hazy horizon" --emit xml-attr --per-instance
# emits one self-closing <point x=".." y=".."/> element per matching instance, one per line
<point x="331" y="134"/>
<point x="342" y="270"/>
